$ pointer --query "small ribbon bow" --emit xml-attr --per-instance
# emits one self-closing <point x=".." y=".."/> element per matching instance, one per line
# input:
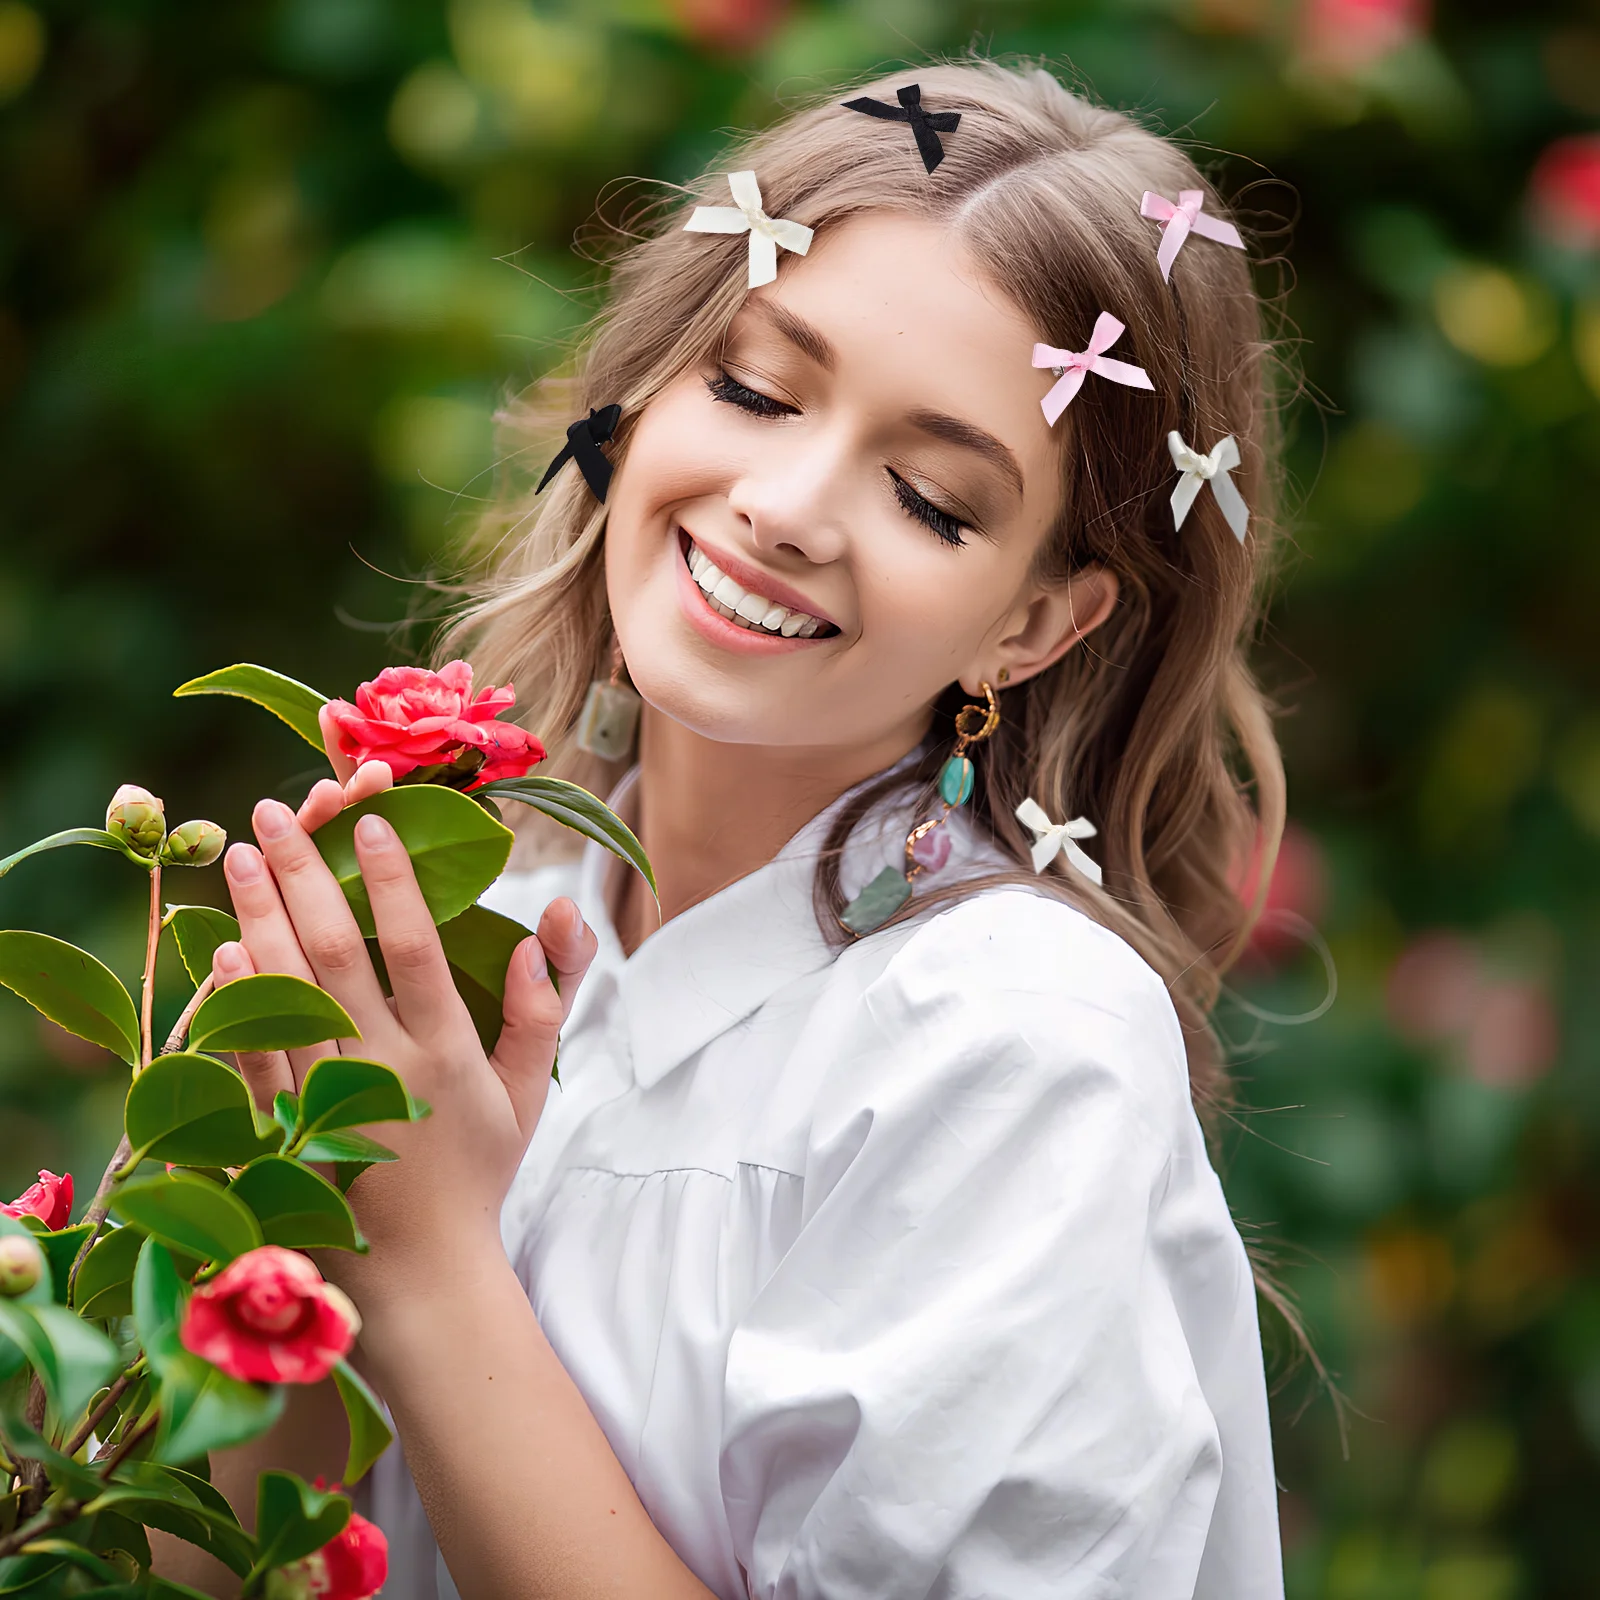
<point x="766" y="233"/>
<point x="1199" y="470"/>
<point x="1073" y="366"/>
<point x="584" y="439"/>
<point x="1179" y="220"/>
<point x="926" y="126"/>
<point x="1051" y="838"/>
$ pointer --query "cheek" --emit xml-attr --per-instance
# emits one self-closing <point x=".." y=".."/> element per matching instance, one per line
<point x="923" y="602"/>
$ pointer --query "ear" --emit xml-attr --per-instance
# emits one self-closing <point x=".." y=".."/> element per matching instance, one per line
<point x="1047" y="625"/>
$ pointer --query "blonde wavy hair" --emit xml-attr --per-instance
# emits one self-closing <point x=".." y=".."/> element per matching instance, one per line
<point x="1154" y="727"/>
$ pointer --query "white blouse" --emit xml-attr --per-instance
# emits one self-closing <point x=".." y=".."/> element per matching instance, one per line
<point x="890" y="1272"/>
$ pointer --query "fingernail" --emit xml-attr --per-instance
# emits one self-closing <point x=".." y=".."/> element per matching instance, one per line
<point x="537" y="970"/>
<point x="229" y="957"/>
<point x="273" y="819"/>
<point x="374" y="832"/>
<point x="243" y="865"/>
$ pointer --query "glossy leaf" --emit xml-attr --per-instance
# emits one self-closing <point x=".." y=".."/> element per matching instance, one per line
<point x="203" y="1409"/>
<point x="98" y="837"/>
<point x="157" y="1305"/>
<point x="198" y="931"/>
<point x="286" y="1112"/>
<point x="296" y="1207"/>
<point x="268" y="1011"/>
<point x="166" y="1498"/>
<point x="105" y="1280"/>
<point x="72" y="989"/>
<point x="457" y="849"/>
<point x="579" y="810"/>
<point x="292" y="1520"/>
<point x="346" y="1145"/>
<point x="289" y="701"/>
<point x="61" y="1249"/>
<point x="192" y="1110"/>
<point x="71" y="1357"/>
<point x="189" y="1214"/>
<point x="347" y="1091"/>
<point x="370" y="1435"/>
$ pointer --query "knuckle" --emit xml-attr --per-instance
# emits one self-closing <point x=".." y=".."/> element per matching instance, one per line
<point x="411" y="947"/>
<point x="336" y="949"/>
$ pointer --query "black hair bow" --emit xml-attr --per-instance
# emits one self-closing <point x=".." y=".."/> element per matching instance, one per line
<point x="926" y="126"/>
<point x="584" y="439"/>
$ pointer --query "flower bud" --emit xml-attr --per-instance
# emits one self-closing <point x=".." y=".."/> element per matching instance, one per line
<point x="21" y="1264"/>
<point x="193" y="844"/>
<point x="136" y="818"/>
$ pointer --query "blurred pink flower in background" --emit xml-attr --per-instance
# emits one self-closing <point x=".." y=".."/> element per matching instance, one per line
<point x="1347" y="35"/>
<point x="1296" y="896"/>
<point x="1564" y="190"/>
<point x="732" y="25"/>
<point x="1442" y="991"/>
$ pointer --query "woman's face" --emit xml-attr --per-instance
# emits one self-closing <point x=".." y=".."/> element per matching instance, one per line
<point x="862" y="485"/>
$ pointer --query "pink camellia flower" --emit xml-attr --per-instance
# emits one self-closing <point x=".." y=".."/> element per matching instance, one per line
<point x="268" y="1317"/>
<point x="1565" y="190"/>
<point x="50" y="1199"/>
<point x="1296" y="895"/>
<point x="411" y="717"/>
<point x="352" y="1565"/>
<point x="1347" y="35"/>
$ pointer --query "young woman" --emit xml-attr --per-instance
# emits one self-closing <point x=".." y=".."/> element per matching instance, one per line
<point x="869" y="1247"/>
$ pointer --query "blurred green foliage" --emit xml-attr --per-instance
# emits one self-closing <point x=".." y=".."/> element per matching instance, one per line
<point x="268" y="266"/>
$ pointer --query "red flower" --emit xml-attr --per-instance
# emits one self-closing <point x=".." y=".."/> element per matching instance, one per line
<point x="411" y="718"/>
<point x="1565" y="189"/>
<point x="268" y="1317"/>
<point x="1296" y="894"/>
<point x="352" y="1565"/>
<point x="50" y="1199"/>
<point x="1347" y="35"/>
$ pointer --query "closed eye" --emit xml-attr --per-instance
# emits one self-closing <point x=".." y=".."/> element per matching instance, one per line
<point x="724" y="386"/>
<point x="947" y="527"/>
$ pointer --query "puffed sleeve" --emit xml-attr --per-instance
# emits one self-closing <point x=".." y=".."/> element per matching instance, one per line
<point x="969" y="1375"/>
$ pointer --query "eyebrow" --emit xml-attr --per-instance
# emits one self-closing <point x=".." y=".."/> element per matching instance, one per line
<point x="937" y="424"/>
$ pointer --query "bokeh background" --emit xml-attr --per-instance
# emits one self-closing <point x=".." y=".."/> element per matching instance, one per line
<point x="267" y="267"/>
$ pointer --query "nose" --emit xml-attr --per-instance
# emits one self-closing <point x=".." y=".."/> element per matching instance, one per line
<point x="790" y="499"/>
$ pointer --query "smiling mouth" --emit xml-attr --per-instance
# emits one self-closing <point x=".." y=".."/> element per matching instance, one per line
<point x="747" y="609"/>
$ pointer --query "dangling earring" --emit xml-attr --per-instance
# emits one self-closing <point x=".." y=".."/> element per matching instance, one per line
<point x="928" y="844"/>
<point x="610" y="715"/>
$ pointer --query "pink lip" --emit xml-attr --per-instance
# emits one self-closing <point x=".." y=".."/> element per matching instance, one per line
<point x="715" y="627"/>
<point x="754" y="579"/>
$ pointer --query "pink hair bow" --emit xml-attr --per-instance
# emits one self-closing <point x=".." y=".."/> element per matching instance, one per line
<point x="1179" y="220"/>
<point x="1073" y="366"/>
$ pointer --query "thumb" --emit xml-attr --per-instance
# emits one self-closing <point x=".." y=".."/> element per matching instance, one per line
<point x="526" y="1049"/>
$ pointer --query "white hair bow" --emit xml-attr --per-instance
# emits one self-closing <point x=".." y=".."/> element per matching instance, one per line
<point x="1050" y="838"/>
<point x="766" y="233"/>
<point x="1199" y="470"/>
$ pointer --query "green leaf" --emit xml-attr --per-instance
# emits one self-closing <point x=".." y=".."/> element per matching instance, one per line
<point x="346" y="1091"/>
<point x="198" y="931"/>
<point x="292" y="1520"/>
<point x="203" y="1409"/>
<point x="105" y="1280"/>
<point x="577" y="809"/>
<point x="296" y="1207"/>
<point x="185" y="1505"/>
<point x="95" y="836"/>
<point x="286" y="1112"/>
<point x="269" y="1011"/>
<point x="287" y="700"/>
<point x="192" y="1110"/>
<point x="73" y="989"/>
<point x="157" y="1304"/>
<point x="75" y="1555"/>
<point x="346" y="1146"/>
<point x="369" y="1433"/>
<point x="457" y="849"/>
<point x="479" y="945"/>
<point x="189" y="1214"/>
<point x="71" y="1357"/>
<point x="61" y="1249"/>
<point x="111" y="1530"/>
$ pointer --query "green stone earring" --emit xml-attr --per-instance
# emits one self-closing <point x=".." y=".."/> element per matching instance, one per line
<point x="928" y="844"/>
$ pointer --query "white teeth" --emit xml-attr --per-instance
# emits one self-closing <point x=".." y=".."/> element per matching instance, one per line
<point x="750" y="610"/>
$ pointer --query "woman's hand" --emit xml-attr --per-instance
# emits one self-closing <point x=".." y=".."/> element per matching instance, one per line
<point x="457" y="1164"/>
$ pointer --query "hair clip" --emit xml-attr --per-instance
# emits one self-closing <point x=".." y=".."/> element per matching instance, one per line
<point x="1053" y="838"/>
<point x="1198" y="470"/>
<point x="1178" y="220"/>
<point x="584" y="439"/>
<point x="926" y="126"/>
<point x="766" y="233"/>
<point x="1073" y="366"/>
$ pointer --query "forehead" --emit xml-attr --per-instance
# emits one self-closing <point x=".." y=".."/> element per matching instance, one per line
<point x="913" y="323"/>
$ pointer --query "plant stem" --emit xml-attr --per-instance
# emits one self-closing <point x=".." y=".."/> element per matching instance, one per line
<point x="32" y="1476"/>
<point x="148" y="992"/>
<point x="87" y="1427"/>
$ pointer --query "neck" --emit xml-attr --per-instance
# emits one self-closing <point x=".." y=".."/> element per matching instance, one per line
<point x="710" y="813"/>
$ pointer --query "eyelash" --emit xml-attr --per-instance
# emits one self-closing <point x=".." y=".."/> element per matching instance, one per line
<point x="725" y="387"/>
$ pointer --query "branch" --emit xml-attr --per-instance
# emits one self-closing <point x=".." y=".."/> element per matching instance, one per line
<point x="147" y="993"/>
<point x="87" y="1427"/>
